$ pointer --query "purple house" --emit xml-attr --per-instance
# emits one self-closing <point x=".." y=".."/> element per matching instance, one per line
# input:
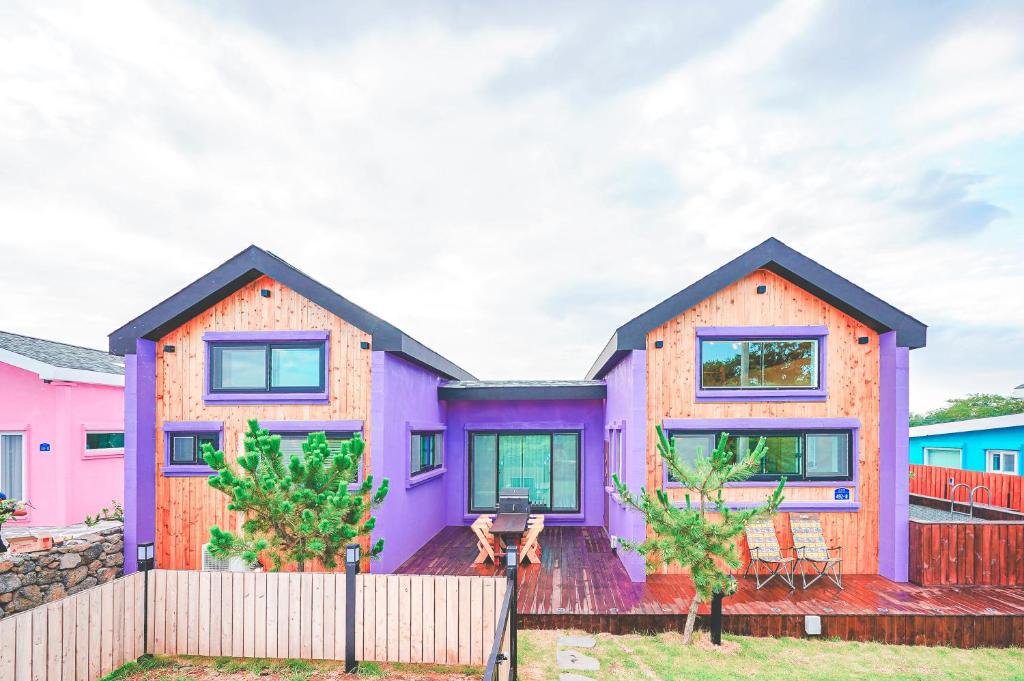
<point x="771" y="344"/>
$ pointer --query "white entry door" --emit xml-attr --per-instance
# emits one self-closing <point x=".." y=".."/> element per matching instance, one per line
<point x="12" y="465"/>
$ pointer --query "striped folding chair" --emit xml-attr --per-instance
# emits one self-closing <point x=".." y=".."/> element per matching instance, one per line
<point x="765" y="552"/>
<point x="813" y="552"/>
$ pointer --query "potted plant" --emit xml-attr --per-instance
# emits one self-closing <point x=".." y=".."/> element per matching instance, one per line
<point x="9" y="508"/>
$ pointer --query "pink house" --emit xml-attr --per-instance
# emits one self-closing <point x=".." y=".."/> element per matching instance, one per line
<point x="61" y="428"/>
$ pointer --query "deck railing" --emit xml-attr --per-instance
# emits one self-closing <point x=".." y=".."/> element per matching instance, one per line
<point x="502" y="662"/>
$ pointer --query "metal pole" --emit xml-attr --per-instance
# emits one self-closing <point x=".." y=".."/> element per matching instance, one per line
<point x="513" y="617"/>
<point x="351" y="570"/>
<point x="716" y="618"/>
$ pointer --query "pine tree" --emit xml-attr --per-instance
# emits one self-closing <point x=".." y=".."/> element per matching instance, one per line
<point x="688" y="535"/>
<point x="295" y="510"/>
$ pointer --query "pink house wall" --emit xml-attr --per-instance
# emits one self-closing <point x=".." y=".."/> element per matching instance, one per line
<point x="63" y="484"/>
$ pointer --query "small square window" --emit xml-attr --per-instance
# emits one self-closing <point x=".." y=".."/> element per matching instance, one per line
<point x="1002" y="461"/>
<point x="425" y="452"/>
<point x="187" y="448"/>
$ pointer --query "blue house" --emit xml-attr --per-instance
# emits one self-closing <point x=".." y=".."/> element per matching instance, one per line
<point x="991" y="445"/>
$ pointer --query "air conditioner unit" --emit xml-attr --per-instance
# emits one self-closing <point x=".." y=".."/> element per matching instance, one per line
<point x="213" y="564"/>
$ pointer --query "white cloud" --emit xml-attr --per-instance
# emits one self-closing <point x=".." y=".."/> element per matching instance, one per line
<point x="509" y="188"/>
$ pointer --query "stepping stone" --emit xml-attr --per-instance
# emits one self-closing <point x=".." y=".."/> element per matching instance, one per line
<point x="574" y="677"/>
<point x="574" y="661"/>
<point x="576" y="642"/>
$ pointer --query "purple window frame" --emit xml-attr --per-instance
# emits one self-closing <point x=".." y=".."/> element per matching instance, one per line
<point x="178" y="470"/>
<point x="266" y="337"/>
<point x="347" y="426"/>
<point x="414" y="427"/>
<point x="802" y="425"/>
<point x="757" y="333"/>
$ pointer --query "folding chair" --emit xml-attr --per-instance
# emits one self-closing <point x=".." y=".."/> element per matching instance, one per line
<point x="484" y="541"/>
<point x="811" y="550"/>
<point x="765" y="551"/>
<point x="531" y="543"/>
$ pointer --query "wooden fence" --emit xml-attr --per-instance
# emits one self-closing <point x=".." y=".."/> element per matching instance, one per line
<point x="78" y="638"/>
<point x="933" y="481"/>
<point x="399" y="618"/>
<point x="990" y="554"/>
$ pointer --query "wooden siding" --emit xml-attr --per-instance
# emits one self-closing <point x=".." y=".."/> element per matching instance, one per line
<point x="187" y="507"/>
<point x="852" y="379"/>
<point x="933" y="481"/>
<point x="987" y="554"/>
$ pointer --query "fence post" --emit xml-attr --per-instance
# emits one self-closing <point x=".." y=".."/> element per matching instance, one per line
<point x="513" y="617"/>
<point x="716" y="618"/>
<point x="145" y="557"/>
<point x="351" y="570"/>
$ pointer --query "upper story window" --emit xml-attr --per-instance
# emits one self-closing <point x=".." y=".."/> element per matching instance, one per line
<point x="425" y="452"/>
<point x="737" y="364"/>
<point x="817" y="455"/>
<point x="741" y="364"/>
<point x="269" y="367"/>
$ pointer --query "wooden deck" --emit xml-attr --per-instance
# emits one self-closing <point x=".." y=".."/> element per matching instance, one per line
<point x="580" y="583"/>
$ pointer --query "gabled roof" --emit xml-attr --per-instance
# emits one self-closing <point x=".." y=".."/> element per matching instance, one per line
<point x="522" y="390"/>
<point x="54" y="361"/>
<point x="969" y="425"/>
<point x="245" y="268"/>
<point x="779" y="258"/>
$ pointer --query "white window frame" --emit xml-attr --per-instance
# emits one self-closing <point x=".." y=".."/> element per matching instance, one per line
<point x="1002" y="453"/>
<point x="958" y="450"/>
<point x="24" y="460"/>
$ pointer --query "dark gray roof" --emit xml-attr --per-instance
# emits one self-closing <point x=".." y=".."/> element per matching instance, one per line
<point x="779" y="258"/>
<point x="248" y="266"/>
<point x="523" y="390"/>
<point x="61" y="354"/>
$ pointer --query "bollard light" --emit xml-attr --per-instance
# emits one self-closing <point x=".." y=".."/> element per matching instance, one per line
<point x="512" y="557"/>
<point x="352" y="553"/>
<point x="145" y="554"/>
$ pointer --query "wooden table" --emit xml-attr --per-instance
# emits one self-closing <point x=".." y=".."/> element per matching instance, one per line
<point x="508" y="528"/>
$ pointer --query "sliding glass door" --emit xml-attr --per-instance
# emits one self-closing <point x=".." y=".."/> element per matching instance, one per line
<point x="545" y="463"/>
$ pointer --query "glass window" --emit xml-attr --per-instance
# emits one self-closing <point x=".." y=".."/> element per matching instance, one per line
<point x="267" y="367"/>
<point x="104" y="440"/>
<point x="827" y="455"/>
<point x="291" y="443"/>
<point x="691" y="445"/>
<point x="812" y="455"/>
<point x="1002" y="461"/>
<point x="424" y="452"/>
<point x="759" y="364"/>
<point x="546" y="464"/>
<point x="945" y="457"/>
<point x="187" y="448"/>
<point x="12" y="465"/>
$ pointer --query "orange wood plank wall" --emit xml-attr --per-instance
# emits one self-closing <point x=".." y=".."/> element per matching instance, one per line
<point x="187" y="507"/>
<point x="852" y="381"/>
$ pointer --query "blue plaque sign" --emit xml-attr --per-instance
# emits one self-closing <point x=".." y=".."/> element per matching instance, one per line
<point x="44" y="446"/>
<point x="842" y="494"/>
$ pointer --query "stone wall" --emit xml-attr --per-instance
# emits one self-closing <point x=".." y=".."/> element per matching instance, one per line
<point x="31" y="579"/>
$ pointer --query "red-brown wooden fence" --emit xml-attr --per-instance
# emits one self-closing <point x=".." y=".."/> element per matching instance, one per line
<point x="989" y="554"/>
<point x="933" y="481"/>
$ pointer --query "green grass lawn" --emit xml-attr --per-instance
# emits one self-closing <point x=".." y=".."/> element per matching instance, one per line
<point x="664" y="657"/>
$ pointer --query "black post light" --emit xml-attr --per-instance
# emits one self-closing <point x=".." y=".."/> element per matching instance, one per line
<point x="512" y="568"/>
<point x="352" y="552"/>
<point x="145" y="557"/>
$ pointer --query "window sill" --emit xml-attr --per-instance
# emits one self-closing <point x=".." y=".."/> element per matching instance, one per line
<point x="103" y="454"/>
<point x="416" y="480"/>
<point x="774" y="483"/>
<point x="187" y="471"/>
<point x="794" y="395"/>
<point x="265" y="398"/>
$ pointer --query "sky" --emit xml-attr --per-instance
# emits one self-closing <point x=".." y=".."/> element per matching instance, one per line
<point x="509" y="182"/>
